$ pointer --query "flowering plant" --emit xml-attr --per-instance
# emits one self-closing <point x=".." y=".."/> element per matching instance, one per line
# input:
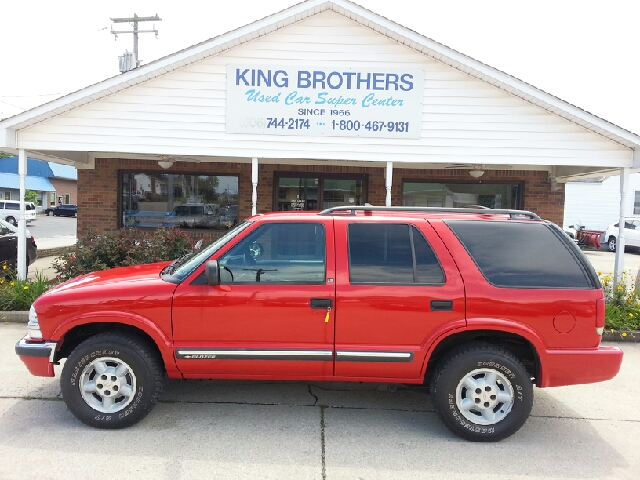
<point x="20" y="294"/>
<point x="622" y="308"/>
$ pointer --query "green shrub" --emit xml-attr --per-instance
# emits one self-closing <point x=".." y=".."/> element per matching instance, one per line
<point x="16" y="295"/>
<point x="622" y="310"/>
<point x="130" y="246"/>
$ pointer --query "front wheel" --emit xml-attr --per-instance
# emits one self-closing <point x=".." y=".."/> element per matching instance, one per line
<point x="612" y="244"/>
<point x="482" y="393"/>
<point x="111" y="381"/>
<point x="50" y="213"/>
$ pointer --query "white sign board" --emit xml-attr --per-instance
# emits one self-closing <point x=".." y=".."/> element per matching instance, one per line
<point x="350" y="102"/>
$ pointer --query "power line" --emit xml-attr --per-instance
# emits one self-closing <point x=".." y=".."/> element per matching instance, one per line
<point x="28" y="96"/>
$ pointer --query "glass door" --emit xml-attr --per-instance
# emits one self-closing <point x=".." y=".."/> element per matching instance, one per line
<point x="318" y="192"/>
<point x="337" y="192"/>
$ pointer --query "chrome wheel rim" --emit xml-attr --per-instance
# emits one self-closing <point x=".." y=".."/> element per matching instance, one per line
<point x="107" y="384"/>
<point x="484" y="396"/>
<point x="612" y="244"/>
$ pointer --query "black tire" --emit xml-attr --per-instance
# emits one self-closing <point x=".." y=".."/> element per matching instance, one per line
<point x="478" y="362"/>
<point x="140" y="379"/>
<point x="12" y="221"/>
<point x="611" y="244"/>
<point x="50" y="213"/>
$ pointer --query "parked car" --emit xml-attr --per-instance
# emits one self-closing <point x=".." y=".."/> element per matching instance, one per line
<point x="9" y="245"/>
<point x="631" y="233"/>
<point x="10" y="210"/>
<point x="478" y="305"/>
<point x="192" y="215"/>
<point x="66" y="210"/>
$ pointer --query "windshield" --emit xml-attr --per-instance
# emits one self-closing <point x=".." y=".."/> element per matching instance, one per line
<point x="184" y="266"/>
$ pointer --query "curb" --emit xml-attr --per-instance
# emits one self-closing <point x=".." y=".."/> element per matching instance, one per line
<point x="622" y="336"/>
<point x="14" y="317"/>
<point x="53" y="252"/>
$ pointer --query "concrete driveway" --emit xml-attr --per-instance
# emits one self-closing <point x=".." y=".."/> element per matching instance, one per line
<point x="254" y="430"/>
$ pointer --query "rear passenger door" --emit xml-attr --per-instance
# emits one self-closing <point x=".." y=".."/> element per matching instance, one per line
<point x="396" y="287"/>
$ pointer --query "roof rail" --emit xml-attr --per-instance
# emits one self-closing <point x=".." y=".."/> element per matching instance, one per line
<point x="519" y="214"/>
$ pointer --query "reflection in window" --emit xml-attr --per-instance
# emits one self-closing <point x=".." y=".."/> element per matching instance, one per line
<point x="151" y="199"/>
<point x="457" y="195"/>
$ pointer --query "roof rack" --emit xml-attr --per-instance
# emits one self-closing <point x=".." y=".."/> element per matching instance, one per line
<point x="519" y="214"/>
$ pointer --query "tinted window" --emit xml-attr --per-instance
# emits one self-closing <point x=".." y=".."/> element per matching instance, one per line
<point x="12" y="206"/>
<point x="515" y="254"/>
<point x="277" y="253"/>
<point x="391" y="253"/>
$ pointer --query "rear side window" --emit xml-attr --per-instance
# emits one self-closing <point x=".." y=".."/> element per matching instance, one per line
<point x="391" y="254"/>
<point x="12" y="206"/>
<point x="522" y="255"/>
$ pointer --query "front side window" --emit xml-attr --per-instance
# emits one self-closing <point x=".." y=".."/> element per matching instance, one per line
<point x="391" y="254"/>
<point x="154" y="199"/>
<point x="277" y="253"/>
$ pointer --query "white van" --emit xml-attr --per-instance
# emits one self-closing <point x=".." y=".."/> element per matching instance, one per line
<point x="10" y="211"/>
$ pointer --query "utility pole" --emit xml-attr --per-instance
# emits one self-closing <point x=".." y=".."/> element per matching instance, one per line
<point x="134" y="20"/>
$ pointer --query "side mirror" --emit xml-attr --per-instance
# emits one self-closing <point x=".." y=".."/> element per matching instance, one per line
<point x="212" y="272"/>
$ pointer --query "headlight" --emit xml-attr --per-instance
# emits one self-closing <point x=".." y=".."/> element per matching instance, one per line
<point x="33" y="327"/>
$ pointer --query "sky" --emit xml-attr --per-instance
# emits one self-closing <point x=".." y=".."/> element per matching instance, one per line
<point x="584" y="52"/>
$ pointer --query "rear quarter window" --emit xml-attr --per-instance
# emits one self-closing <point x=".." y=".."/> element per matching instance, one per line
<point x="524" y="255"/>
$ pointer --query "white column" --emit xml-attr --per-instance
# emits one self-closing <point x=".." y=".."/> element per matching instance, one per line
<point x="254" y="184"/>
<point x="22" y="224"/>
<point x="619" y="261"/>
<point x="388" y="182"/>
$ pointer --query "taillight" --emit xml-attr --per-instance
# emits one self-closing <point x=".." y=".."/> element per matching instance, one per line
<point x="600" y="316"/>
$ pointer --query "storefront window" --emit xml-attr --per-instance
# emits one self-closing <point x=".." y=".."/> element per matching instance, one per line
<point x="154" y="200"/>
<point x="457" y="195"/>
<point x="318" y="192"/>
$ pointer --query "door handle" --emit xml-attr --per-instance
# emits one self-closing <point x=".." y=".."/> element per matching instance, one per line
<point x="441" y="305"/>
<point x="320" y="303"/>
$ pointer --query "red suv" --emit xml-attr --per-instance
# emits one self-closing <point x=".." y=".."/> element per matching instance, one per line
<point x="477" y="304"/>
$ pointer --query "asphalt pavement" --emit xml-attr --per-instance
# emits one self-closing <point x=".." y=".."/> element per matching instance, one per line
<point x="298" y="430"/>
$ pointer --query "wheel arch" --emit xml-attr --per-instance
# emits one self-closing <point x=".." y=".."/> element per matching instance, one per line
<point x="517" y="344"/>
<point x="80" y="332"/>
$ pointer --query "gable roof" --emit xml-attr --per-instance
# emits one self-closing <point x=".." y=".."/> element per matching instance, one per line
<point x="294" y="14"/>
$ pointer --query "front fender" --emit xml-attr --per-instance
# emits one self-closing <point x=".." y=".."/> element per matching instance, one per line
<point x="165" y="345"/>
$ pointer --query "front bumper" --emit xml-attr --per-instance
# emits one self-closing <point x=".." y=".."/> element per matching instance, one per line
<point x="38" y="357"/>
<point x="572" y="367"/>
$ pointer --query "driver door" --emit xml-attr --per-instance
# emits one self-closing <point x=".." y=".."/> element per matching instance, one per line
<point x="271" y="316"/>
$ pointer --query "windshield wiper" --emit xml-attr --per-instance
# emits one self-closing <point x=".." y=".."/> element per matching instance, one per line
<point x="169" y="269"/>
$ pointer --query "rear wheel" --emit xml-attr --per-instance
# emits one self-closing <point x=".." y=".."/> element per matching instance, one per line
<point x="12" y="221"/>
<point x="611" y="244"/>
<point x="482" y="393"/>
<point x="111" y="381"/>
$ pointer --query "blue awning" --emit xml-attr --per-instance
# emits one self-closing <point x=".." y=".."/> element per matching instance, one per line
<point x="39" y="184"/>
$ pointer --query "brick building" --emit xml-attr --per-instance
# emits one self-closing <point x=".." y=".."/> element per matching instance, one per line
<point x="322" y="104"/>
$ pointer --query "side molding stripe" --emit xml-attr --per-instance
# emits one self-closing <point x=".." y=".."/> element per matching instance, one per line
<point x="314" y="355"/>
<point x="358" y="356"/>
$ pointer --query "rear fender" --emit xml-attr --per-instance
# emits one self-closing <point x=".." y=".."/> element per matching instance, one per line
<point x="491" y="324"/>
